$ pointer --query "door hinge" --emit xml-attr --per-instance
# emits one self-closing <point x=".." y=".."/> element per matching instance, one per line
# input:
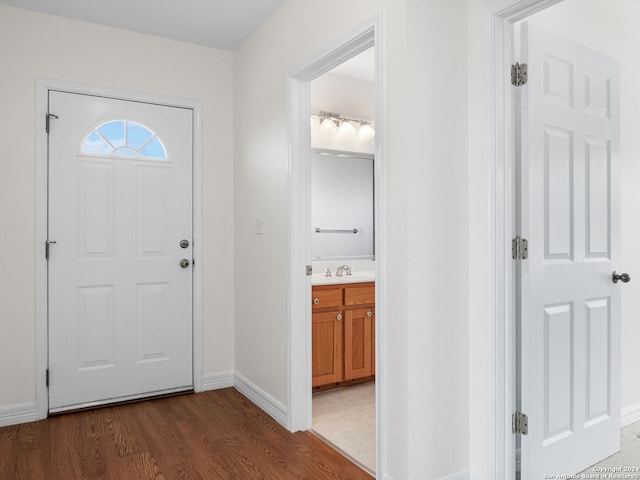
<point x="47" y="377"/>
<point x="309" y="270"/>
<point x="47" y="244"/>
<point x="518" y="74"/>
<point x="520" y="423"/>
<point x="47" y="121"/>
<point x="519" y="248"/>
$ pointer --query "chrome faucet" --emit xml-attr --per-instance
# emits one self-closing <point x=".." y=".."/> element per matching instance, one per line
<point x="342" y="269"/>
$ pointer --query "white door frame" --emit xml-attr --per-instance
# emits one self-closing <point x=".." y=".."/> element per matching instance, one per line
<point x="42" y="346"/>
<point x="499" y="16"/>
<point x="299" y="395"/>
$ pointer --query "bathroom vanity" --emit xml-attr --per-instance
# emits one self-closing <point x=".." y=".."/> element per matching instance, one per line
<point x="343" y="332"/>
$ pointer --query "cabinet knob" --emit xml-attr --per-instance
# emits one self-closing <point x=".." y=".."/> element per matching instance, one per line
<point x="316" y="301"/>
<point x="339" y="317"/>
<point x="369" y="314"/>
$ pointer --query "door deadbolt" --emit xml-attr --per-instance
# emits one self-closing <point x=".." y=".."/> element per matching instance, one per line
<point x="184" y="243"/>
<point x="184" y="263"/>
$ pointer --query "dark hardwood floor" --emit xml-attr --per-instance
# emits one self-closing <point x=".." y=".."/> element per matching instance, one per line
<point x="211" y="435"/>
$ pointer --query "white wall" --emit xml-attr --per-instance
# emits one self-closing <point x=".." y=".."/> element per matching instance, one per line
<point x="608" y="27"/>
<point x="426" y="219"/>
<point x="37" y="45"/>
<point x="477" y="247"/>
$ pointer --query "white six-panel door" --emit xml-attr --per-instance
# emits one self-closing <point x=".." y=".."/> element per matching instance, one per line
<point x="570" y="308"/>
<point x="120" y="203"/>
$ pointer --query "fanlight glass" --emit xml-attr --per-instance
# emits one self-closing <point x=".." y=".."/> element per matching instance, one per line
<point x="124" y="138"/>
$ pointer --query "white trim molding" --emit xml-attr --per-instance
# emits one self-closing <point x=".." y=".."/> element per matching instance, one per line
<point x="261" y="399"/>
<point x="459" y="476"/>
<point x="362" y="37"/>
<point x="347" y="46"/>
<point x="18" y="413"/>
<point x="629" y="415"/>
<point x="43" y="86"/>
<point x="499" y="16"/>
<point x="466" y="475"/>
<point x="217" y="381"/>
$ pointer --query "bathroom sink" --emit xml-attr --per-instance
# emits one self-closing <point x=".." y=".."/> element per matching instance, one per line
<point x="355" y="277"/>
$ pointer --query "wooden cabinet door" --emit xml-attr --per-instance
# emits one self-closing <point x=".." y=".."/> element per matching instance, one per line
<point x="327" y="350"/>
<point x="358" y="328"/>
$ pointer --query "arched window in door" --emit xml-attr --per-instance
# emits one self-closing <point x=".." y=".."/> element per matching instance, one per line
<point x="124" y="138"/>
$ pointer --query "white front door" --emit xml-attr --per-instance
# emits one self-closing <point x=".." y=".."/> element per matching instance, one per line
<point x="120" y="204"/>
<point x="570" y="308"/>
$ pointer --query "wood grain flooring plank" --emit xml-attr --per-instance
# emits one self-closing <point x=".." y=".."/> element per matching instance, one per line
<point x="207" y="436"/>
<point x="31" y="464"/>
<point x="8" y="450"/>
<point x="124" y="431"/>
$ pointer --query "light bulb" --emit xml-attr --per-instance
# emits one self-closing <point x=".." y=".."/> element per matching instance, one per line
<point x="347" y="128"/>
<point x="366" y="132"/>
<point x="328" y="123"/>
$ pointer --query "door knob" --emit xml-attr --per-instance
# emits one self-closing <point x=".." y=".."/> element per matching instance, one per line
<point x="623" y="277"/>
<point x="184" y="263"/>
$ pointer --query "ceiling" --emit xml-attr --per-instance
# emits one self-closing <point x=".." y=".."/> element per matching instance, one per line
<point x="213" y="23"/>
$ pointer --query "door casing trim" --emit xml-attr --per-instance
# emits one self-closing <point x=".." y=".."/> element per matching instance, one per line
<point x="499" y="16"/>
<point x="43" y="86"/>
<point x="362" y="37"/>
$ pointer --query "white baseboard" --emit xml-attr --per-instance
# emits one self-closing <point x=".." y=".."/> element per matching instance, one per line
<point x="460" y="476"/>
<point x="18" y="413"/>
<point x="262" y="399"/>
<point x="466" y="475"/>
<point x="629" y="415"/>
<point x="216" y="381"/>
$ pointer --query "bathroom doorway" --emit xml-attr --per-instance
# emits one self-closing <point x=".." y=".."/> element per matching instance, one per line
<point x="343" y="258"/>
<point x="352" y="294"/>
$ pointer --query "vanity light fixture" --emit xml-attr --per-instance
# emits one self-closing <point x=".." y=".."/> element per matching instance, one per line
<point x="345" y="126"/>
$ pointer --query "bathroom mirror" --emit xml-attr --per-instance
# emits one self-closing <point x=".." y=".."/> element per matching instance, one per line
<point x="342" y="206"/>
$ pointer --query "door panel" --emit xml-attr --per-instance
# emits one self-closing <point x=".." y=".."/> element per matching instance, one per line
<point x="570" y="309"/>
<point x="120" y="201"/>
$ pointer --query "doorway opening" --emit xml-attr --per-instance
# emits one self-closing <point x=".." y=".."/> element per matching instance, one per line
<point x="343" y="258"/>
<point x="577" y="22"/>
<point x="316" y="133"/>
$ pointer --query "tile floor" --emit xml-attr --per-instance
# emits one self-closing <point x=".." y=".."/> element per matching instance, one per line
<point x="346" y="418"/>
